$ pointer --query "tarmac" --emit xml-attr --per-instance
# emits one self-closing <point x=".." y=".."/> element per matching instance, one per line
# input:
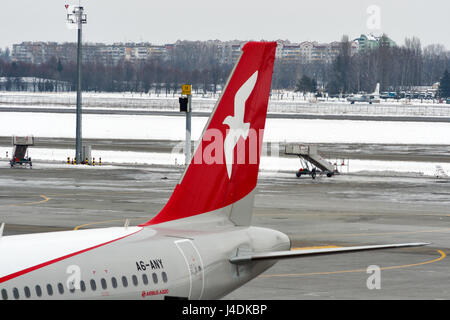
<point x="345" y="210"/>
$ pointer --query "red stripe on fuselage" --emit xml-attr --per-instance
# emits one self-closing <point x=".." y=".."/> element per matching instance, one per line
<point x="44" y="264"/>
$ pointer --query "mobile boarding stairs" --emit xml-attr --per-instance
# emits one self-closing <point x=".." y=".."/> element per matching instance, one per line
<point x="20" y="151"/>
<point x="312" y="163"/>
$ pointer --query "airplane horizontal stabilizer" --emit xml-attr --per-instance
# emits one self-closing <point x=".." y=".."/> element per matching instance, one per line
<point x="246" y="258"/>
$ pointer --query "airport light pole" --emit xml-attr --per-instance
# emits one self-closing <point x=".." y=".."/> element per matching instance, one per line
<point x="188" y="131"/>
<point x="186" y="106"/>
<point x="75" y="16"/>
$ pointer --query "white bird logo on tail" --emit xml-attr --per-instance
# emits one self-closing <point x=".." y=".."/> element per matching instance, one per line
<point x="236" y="124"/>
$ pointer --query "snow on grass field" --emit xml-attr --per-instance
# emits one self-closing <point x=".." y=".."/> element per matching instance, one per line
<point x="279" y="103"/>
<point x="173" y="128"/>
<point x="268" y="163"/>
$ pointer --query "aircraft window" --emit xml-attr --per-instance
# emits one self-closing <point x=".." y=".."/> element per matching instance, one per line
<point x="38" y="291"/>
<point x="4" y="294"/>
<point x="103" y="282"/>
<point x="124" y="281"/>
<point x="93" y="285"/>
<point x="145" y="279"/>
<point x="164" y="276"/>
<point x="27" y="292"/>
<point x="49" y="289"/>
<point x="16" y="293"/>
<point x="82" y="286"/>
<point x="114" y="282"/>
<point x="60" y="288"/>
<point x="135" y="281"/>
<point x="155" y="278"/>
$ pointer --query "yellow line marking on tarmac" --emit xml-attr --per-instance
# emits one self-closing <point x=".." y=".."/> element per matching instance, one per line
<point x="45" y="199"/>
<point x="106" y="221"/>
<point x="96" y="193"/>
<point x="441" y="257"/>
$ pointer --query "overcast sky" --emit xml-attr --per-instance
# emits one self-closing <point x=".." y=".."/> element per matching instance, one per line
<point x="166" y="21"/>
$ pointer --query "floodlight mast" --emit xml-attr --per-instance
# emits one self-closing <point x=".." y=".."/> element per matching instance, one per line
<point x="76" y="16"/>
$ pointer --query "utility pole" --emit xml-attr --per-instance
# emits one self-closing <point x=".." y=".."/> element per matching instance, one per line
<point x="76" y="16"/>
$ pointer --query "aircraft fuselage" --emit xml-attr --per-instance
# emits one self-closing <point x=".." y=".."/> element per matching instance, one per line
<point x="145" y="263"/>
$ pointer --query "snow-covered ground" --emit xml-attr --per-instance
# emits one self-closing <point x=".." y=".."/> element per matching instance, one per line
<point x="173" y="128"/>
<point x="268" y="163"/>
<point x="285" y="102"/>
<point x="277" y="95"/>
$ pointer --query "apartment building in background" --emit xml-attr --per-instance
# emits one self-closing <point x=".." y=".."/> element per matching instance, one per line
<point x="40" y="52"/>
<point x="225" y="51"/>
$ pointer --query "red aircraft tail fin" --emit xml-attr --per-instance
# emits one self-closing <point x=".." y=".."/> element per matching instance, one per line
<point x="224" y="168"/>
